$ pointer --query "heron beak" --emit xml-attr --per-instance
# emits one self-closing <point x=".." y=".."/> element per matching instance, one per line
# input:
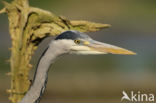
<point x="103" y="48"/>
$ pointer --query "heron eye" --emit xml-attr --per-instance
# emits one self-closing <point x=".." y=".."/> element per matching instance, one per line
<point x="77" y="41"/>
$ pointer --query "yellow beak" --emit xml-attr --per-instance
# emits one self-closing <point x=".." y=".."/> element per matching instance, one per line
<point x="107" y="48"/>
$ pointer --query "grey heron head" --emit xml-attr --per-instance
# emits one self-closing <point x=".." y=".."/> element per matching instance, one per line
<point x="80" y="43"/>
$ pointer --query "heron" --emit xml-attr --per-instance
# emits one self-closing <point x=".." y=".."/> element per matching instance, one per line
<point x="68" y="42"/>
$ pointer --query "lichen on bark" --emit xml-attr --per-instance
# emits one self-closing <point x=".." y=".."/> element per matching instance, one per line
<point x="28" y="26"/>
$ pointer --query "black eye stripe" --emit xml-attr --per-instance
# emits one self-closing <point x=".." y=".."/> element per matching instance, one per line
<point x="68" y="35"/>
<point x="73" y="35"/>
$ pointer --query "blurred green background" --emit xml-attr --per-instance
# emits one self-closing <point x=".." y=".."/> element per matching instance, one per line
<point x="96" y="79"/>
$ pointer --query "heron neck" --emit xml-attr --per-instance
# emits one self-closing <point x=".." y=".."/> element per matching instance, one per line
<point x="40" y="79"/>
